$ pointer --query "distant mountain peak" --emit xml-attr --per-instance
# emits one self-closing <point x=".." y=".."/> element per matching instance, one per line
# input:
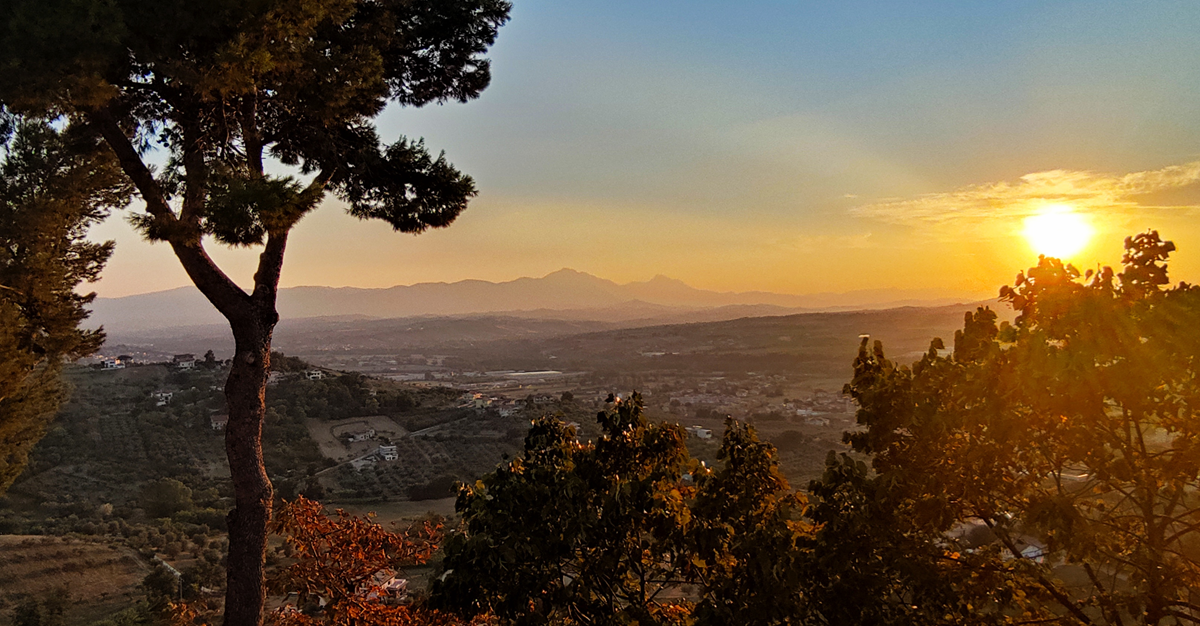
<point x="566" y="271"/>
<point x="566" y="289"/>
<point x="663" y="279"/>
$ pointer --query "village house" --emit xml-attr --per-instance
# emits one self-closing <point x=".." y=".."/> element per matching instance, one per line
<point x="388" y="453"/>
<point x="314" y="374"/>
<point x="184" y="361"/>
<point x="162" y="398"/>
<point x="363" y="433"/>
<point x="386" y="586"/>
<point x="218" y="422"/>
<point x="112" y="364"/>
<point x="699" y="432"/>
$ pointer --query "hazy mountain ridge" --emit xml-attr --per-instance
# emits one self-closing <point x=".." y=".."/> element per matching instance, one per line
<point x="565" y="294"/>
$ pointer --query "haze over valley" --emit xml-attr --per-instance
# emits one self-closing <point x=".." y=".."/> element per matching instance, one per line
<point x="562" y="295"/>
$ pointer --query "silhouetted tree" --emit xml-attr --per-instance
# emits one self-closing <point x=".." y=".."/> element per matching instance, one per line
<point x="222" y="86"/>
<point x="1071" y="436"/>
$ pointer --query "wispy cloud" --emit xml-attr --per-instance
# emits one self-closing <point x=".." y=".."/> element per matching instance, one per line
<point x="1085" y="191"/>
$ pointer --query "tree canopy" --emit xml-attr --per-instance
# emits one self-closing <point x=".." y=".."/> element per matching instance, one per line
<point x="53" y="186"/>
<point x="1067" y="438"/>
<point x="615" y="531"/>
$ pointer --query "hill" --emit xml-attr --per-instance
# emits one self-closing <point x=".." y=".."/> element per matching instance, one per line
<point x="565" y="294"/>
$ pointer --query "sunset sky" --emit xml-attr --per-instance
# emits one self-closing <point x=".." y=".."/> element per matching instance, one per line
<point x="787" y="146"/>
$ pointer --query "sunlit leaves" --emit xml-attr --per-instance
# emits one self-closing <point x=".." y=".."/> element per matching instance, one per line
<point x="1074" y="428"/>
<point x="617" y="531"/>
<point x="582" y="531"/>
<point x="340" y="564"/>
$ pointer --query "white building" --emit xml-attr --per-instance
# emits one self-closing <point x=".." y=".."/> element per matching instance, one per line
<point x="355" y="436"/>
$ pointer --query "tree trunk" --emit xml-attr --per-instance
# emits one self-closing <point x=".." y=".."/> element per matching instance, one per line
<point x="252" y="317"/>
<point x="245" y="396"/>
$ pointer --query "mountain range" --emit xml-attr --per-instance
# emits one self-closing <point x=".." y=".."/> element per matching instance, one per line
<point x="566" y="294"/>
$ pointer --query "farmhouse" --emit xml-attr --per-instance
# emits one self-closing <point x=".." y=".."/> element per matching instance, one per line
<point x="362" y="433"/>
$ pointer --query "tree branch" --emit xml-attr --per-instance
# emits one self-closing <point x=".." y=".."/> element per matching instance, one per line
<point x="1105" y="596"/>
<point x="270" y="261"/>
<point x="133" y="166"/>
<point x="222" y="292"/>
<point x="1058" y="594"/>
<point x="270" y="265"/>
<point x="248" y="120"/>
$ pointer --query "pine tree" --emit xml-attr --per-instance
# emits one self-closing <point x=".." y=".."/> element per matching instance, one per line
<point x="52" y="187"/>
<point x="223" y="87"/>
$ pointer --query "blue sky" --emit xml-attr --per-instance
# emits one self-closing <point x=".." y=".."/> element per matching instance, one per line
<point x="782" y="146"/>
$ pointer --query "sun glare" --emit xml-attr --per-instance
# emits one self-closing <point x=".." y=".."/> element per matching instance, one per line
<point x="1057" y="231"/>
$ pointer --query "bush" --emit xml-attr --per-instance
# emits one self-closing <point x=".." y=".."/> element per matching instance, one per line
<point x="440" y="487"/>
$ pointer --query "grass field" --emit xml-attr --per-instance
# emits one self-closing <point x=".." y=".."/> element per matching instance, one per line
<point x="404" y="511"/>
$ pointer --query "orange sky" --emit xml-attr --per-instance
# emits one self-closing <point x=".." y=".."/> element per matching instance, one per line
<point x="796" y="149"/>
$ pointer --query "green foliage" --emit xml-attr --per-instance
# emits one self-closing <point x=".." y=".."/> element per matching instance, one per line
<point x="301" y="80"/>
<point x="47" y="611"/>
<point x="440" y="487"/>
<point x="338" y="397"/>
<point x="281" y="362"/>
<point x="628" y="529"/>
<point x="1073" y="430"/>
<point x="53" y="186"/>
<point x="583" y="532"/>
<point x="745" y="538"/>
<point x="870" y="564"/>
<point x="165" y="497"/>
<point x="161" y="587"/>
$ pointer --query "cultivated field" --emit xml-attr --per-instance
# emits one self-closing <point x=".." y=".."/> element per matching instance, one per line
<point x="95" y="580"/>
<point x="329" y="435"/>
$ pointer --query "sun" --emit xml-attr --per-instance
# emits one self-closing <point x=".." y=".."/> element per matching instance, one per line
<point x="1057" y="231"/>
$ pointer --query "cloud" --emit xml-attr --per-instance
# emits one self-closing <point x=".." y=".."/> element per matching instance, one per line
<point x="1084" y="191"/>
